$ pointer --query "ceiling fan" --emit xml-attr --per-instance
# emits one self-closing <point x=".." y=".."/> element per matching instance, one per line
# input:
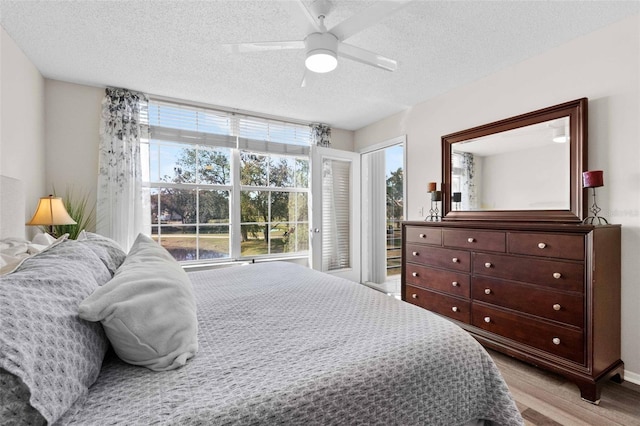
<point x="323" y="46"/>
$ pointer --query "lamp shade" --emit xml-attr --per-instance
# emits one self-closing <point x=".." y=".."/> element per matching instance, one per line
<point x="51" y="211"/>
<point x="592" y="179"/>
<point x="457" y="197"/>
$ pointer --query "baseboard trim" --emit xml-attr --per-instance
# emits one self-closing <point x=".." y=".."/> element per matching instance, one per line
<point x="632" y="377"/>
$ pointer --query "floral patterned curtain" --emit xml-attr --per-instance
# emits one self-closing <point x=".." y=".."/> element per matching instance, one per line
<point x="122" y="208"/>
<point x="470" y="201"/>
<point x="321" y="134"/>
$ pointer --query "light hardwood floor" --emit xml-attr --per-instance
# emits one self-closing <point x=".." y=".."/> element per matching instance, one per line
<point x="546" y="399"/>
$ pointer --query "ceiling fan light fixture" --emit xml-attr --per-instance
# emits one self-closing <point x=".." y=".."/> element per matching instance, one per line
<point x="559" y="136"/>
<point x="321" y="61"/>
<point x="321" y="52"/>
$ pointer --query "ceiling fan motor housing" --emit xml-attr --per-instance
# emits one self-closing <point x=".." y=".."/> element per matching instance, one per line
<point x="322" y="51"/>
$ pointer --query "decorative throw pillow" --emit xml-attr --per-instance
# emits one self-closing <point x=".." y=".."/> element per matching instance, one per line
<point x="53" y="352"/>
<point x="147" y="310"/>
<point x="107" y="249"/>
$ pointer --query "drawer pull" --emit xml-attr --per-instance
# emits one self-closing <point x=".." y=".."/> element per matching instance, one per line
<point x="556" y="340"/>
<point x="455" y="309"/>
<point x="415" y="253"/>
<point x="471" y="240"/>
<point x="556" y="307"/>
<point x="415" y="274"/>
<point x="455" y="260"/>
<point x="422" y="236"/>
<point x="488" y="265"/>
<point x="557" y="275"/>
<point x="455" y="284"/>
<point x="541" y="245"/>
<point x="487" y="291"/>
<point x="487" y="319"/>
<point x="415" y="296"/>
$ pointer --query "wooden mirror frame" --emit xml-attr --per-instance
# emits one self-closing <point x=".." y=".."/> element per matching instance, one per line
<point x="577" y="113"/>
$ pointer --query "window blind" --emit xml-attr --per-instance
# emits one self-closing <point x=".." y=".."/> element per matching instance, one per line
<point x="336" y="195"/>
<point x="173" y="116"/>
<point x="197" y="125"/>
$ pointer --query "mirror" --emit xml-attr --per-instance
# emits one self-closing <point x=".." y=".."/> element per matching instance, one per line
<point x="524" y="168"/>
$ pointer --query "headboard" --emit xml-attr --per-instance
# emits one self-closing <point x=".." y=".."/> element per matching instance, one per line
<point x="12" y="208"/>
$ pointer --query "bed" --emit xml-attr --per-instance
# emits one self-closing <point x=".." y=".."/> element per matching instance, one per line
<point x="277" y="343"/>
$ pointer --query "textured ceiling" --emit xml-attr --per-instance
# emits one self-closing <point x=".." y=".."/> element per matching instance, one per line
<point x="174" y="49"/>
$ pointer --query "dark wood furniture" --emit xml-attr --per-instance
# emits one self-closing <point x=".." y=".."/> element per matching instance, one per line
<point x="576" y="112"/>
<point x="545" y="293"/>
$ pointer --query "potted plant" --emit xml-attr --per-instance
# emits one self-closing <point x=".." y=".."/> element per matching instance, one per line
<point x="78" y="207"/>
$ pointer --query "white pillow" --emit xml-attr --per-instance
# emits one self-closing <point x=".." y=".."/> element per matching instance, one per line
<point x="147" y="310"/>
<point x="44" y="239"/>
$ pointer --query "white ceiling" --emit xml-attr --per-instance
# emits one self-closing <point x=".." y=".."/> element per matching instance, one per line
<point x="173" y="49"/>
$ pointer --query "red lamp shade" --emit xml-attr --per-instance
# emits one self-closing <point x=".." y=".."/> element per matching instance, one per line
<point x="592" y="179"/>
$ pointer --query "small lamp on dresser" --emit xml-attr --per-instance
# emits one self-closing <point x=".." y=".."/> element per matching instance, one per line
<point x="50" y="212"/>
<point x="456" y="198"/>
<point x="436" y="197"/>
<point x="593" y="179"/>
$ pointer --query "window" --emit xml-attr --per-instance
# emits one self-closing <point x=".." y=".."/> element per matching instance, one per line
<point x="223" y="185"/>
<point x="274" y="202"/>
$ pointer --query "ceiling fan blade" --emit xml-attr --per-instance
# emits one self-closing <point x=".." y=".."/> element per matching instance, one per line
<point x="368" y="17"/>
<point x="298" y="10"/>
<point x="366" y="57"/>
<point x="263" y="46"/>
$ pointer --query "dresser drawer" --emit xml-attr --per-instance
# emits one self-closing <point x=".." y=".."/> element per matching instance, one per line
<point x="450" y="306"/>
<point x="547" y="245"/>
<point x="456" y="283"/>
<point x="474" y="240"/>
<point x="424" y="235"/>
<point x="560" y="275"/>
<point x="535" y="300"/>
<point x="562" y="341"/>
<point x="458" y="260"/>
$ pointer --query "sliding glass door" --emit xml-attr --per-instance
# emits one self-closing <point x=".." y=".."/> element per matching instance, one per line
<point x="383" y="209"/>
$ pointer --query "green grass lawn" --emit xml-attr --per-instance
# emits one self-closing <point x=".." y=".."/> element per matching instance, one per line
<point x="220" y="243"/>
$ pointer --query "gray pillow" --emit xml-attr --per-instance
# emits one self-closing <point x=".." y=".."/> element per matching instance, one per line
<point x="147" y="310"/>
<point x="53" y="352"/>
<point x="107" y="249"/>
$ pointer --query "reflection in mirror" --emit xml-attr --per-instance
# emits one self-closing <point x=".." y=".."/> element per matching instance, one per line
<point x="523" y="168"/>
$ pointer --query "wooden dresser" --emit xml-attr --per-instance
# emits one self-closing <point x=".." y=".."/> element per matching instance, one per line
<point x="548" y="294"/>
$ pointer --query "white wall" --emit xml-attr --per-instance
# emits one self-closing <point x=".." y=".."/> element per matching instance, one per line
<point x="22" y="127"/>
<point x="342" y="139"/>
<point x="73" y="123"/>
<point x="603" y="66"/>
<point x="523" y="179"/>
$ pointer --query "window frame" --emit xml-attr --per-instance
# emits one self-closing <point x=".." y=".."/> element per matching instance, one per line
<point x="242" y="144"/>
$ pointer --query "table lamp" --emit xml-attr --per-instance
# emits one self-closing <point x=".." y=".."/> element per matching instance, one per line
<point x="51" y="211"/>
<point x="593" y="179"/>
